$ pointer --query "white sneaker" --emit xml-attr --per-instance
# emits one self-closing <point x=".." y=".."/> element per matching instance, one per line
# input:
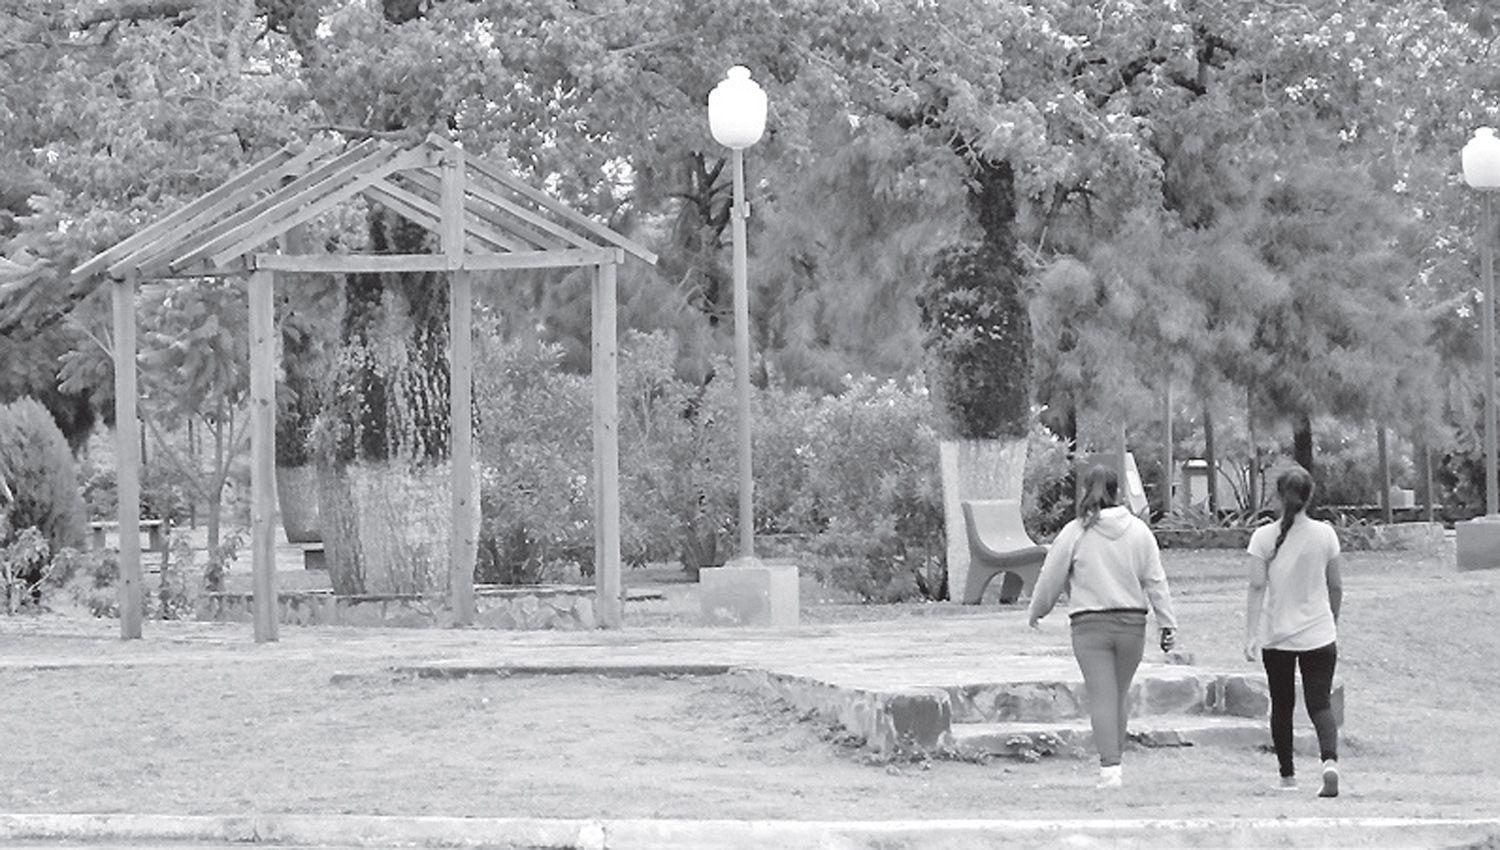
<point x="1330" y="780"/>
<point x="1112" y="776"/>
<point x="1287" y="783"/>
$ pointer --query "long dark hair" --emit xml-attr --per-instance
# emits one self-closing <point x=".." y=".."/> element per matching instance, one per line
<point x="1101" y="489"/>
<point x="1295" y="487"/>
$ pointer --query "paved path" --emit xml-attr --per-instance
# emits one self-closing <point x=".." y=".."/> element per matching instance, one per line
<point x="910" y="652"/>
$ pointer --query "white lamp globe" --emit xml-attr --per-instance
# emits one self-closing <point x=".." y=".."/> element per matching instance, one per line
<point x="737" y="110"/>
<point x="1482" y="160"/>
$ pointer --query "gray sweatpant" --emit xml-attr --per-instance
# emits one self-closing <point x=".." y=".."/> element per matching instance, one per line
<point x="1108" y="646"/>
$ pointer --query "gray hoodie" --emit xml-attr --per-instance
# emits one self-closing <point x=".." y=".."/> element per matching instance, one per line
<point x="1114" y="564"/>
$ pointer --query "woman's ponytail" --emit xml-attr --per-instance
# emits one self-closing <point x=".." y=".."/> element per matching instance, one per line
<point x="1101" y="489"/>
<point x="1295" y="487"/>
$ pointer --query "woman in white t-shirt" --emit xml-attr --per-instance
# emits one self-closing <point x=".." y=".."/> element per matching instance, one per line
<point x="1291" y="621"/>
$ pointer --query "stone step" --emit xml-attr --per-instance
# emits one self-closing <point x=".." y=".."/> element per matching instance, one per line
<point x="1074" y="738"/>
<point x="1188" y="691"/>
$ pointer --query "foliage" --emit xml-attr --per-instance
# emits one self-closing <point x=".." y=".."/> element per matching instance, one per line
<point x="38" y="467"/>
<point x="677" y="451"/>
<point x="873" y="474"/>
<point x="534" y="451"/>
<point x="978" y="332"/>
<point x="24" y="564"/>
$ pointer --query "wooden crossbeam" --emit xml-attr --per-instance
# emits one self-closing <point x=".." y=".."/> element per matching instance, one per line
<point x="430" y="191"/>
<point x="425" y="213"/>
<point x="248" y="181"/>
<point x="270" y="223"/>
<point x="520" y="187"/>
<point x="375" y="263"/>
<point x="326" y="178"/>
<point x="156" y="259"/>
<point x="474" y="194"/>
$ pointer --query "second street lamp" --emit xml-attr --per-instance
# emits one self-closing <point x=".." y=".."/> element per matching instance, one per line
<point x="737" y="118"/>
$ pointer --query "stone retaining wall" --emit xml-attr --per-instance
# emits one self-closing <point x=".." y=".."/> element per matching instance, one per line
<point x="1401" y="536"/>
<point x="541" y="607"/>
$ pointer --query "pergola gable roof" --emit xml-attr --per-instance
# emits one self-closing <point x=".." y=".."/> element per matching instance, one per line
<point x="485" y="216"/>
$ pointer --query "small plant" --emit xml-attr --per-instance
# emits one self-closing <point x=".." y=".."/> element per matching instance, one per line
<point x="24" y="565"/>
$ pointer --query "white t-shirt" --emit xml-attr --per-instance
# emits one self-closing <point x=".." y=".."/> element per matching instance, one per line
<point x="1296" y="614"/>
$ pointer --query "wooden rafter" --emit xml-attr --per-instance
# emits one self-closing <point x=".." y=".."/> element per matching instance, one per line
<point x="486" y="217"/>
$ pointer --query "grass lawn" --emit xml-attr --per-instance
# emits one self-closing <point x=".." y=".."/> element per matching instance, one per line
<point x="246" y="733"/>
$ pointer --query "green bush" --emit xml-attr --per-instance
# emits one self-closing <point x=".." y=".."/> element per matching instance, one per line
<point x="42" y="477"/>
<point x="873" y="471"/>
<point x="535" y="451"/>
<point x="678" y="461"/>
<point x="978" y="336"/>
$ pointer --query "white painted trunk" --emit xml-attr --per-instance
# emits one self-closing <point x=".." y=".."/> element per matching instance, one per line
<point x="975" y="469"/>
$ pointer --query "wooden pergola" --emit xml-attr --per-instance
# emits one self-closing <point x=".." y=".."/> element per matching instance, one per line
<point x="486" y="219"/>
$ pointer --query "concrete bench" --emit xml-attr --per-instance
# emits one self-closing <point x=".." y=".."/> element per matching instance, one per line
<point x="155" y="530"/>
<point x="998" y="544"/>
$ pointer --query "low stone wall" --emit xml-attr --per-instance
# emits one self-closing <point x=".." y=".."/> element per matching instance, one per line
<point x="496" y="607"/>
<point x="1401" y="536"/>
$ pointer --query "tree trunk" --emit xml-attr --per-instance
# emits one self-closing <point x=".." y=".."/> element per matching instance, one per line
<point x="1302" y="442"/>
<point x="1168" y="474"/>
<point x="1252" y="490"/>
<point x="1212" y="458"/>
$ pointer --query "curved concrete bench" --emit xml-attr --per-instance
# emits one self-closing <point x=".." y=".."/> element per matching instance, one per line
<point x="998" y="543"/>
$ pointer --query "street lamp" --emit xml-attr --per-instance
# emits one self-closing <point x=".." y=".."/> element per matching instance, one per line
<point x="1481" y="158"/>
<point x="737" y="118"/>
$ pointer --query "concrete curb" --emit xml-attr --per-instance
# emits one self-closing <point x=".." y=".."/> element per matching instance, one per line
<point x="641" y="834"/>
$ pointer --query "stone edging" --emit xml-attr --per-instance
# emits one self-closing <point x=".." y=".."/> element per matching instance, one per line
<point x="664" y="834"/>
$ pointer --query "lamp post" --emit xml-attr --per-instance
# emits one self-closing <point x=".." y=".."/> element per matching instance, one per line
<point x="737" y="118"/>
<point x="1481" y="159"/>
<point x="1477" y="544"/>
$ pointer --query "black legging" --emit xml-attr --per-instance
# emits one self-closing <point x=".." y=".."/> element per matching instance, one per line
<point x="1317" y="688"/>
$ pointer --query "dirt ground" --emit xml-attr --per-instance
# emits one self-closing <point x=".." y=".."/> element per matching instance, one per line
<point x="1417" y="655"/>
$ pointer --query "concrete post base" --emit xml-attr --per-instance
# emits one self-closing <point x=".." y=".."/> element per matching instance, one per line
<point x="749" y="593"/>
<point x="1478" y="543"/>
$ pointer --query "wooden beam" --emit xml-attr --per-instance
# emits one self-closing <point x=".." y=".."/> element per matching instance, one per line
<point x="520" y="187"/>
<point x="424" y="212"/>
<point x="153" y="259"/>
<point x="451" y="206"/>
<point x="464" y="541"/>
<point x="263" y="455"/>
<point x="266" y="172"/>
<point x="477" y="206"/>
<point x="127" y="460"/>
<point x="608" y="595"/>
<point x="270" y="223"/>
<point x="371" y="263"/>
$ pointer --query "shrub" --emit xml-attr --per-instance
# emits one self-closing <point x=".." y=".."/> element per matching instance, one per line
<point x="678" y="458"/>
<point x="38" y="467"/>
<point x="978" y="335"/>
<point x="874" y="477"/>
<point x="535" y="449"/>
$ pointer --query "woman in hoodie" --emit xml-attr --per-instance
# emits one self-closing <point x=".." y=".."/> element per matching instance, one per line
<point x="1291" y="621"/>
<point x="1108" y="561"/>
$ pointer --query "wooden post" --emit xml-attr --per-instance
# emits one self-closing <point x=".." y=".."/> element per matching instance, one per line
<point x="127" y="459"/>
<point x="263" y="454"/>
<point x="461" y="428"/>
<point x="607" y="584"/>
<point x="461" y="544"/>
<point x="1385" y="474"/>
